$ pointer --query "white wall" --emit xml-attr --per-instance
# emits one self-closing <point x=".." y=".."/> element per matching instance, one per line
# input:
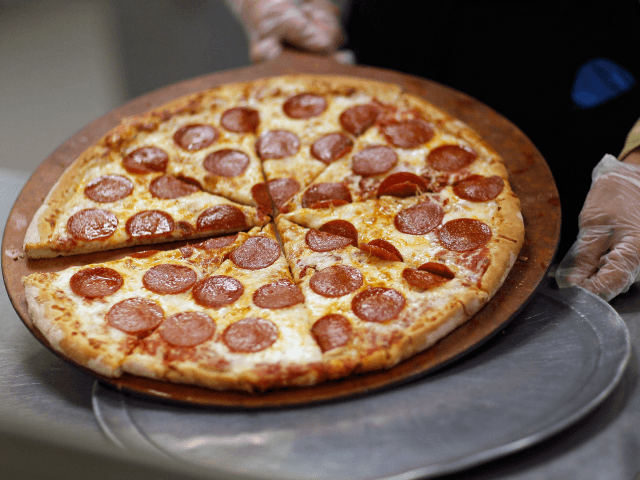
<point x="65" y="63"/>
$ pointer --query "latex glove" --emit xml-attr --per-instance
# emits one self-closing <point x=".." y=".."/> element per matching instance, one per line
<point x="605" y="259"/>
<point x="312" y="25"/>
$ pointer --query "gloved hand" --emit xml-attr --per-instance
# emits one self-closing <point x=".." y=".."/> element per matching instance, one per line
<point x="312" y="25"/>
<point x="605" y="259"/>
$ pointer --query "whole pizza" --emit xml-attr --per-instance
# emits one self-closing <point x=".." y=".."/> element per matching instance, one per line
<point x="329" y="226"/>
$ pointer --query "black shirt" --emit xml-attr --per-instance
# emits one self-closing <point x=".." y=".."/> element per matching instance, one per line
<point x="520" y="58"/>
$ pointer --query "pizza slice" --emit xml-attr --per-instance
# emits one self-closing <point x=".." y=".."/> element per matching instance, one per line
<point x="96" y="314"/>
<point x="182" y="171"/>
<point x="97" y="205"/>
<point x="368" y="313"/>
<point x="410" y="149"/>
<point x="243" y="327"/>
<point x="457" y="231"/>
<point x="311" y="123"/>
<point x="211" y="145"/>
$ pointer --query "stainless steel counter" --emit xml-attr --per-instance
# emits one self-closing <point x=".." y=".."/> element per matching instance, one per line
<point x="48" y="428"/>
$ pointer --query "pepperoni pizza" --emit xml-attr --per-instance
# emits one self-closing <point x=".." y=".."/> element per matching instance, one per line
<point x="351" y="226"/>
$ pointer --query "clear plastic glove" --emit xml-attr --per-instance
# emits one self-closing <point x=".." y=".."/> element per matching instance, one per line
<point x="312" y="25"/>
<point x="605" y="259"/>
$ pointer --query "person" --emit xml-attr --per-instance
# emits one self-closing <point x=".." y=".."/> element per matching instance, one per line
<point x="526" y="60"/>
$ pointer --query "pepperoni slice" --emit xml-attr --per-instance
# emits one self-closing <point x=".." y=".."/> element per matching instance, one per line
<point x="277" y="144"/>
<point x="250" y="335"/>
<point x="305" y="105"/>
<point x="222" y="218"/>
<point x="226" y="162"/>
<point x="382" y="249"/>
<point x="108" y="188"/>
<point x="342" y="228"/>
<point x="184" y="228"/>
<point x="325" y="242"/>
<point x="374" y="160"/>
<point x="282" y="189"/>
<point x="477" y="188"/>
<point x="419" y="219"/>
<point x="450" y="158"/>
<point x="216" y="243"/>
<point x="168" y="186"/>
<point x="187" y="329"/>
<point x="423" y="280"/>
<point x="92" y="224"/>
<point x="96" y="282"/>
<point x="437" y="269"/>
<point x="217" y="291"/>
<point x="150" y="224"/>
<point x="260" y="195"/>
<point x="408" y="133"/>
<point x="356" y="120"/>
<point x="378" y="304"/>
<point x="463" y="234"/>
<point x="137" y="316"/>
<point x="279" y="294"/>
<point x="195" y="137"/>
<point x="323" y="195"/>
<point x="146" y="160"/>
<point x="332" y="331"/>
<point x="331" y="147"/>
<point x="256" y="253"/>
<point x="240" y="120"/>
<point x="336" y="281"/>
<point x="402" y="184"/>
<point x="168" y="279"/>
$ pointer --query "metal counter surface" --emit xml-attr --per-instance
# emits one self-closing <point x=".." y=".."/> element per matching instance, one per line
<point x="46" y="414"/>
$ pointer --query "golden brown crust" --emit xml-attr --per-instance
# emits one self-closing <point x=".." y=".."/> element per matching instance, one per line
<point x="425" y="329"/>
<point x="507" y="241"/>
<point x="44" y="219"/>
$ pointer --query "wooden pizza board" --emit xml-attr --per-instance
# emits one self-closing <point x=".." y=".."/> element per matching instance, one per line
<point x="530" y="177"/>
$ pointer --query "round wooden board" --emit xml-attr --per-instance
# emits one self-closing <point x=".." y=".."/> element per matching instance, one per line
<point x="530" y="178"/>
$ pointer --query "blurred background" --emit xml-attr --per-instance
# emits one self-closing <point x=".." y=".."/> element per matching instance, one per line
<point x="65" y="63"/>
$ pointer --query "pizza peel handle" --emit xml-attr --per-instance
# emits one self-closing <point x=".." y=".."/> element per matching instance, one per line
<point x="530" y="178"/>
<point x="293" y="61"/>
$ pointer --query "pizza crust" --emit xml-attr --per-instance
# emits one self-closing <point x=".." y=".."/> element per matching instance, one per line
<point x="44" y="219"/>
<point x="57" y="317"/>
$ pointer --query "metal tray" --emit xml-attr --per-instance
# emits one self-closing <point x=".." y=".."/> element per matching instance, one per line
<point x="553" y="364"/>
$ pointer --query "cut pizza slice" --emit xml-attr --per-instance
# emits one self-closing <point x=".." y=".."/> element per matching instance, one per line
<point x="368" y="313"/>
<point x="227" y="167"/>
<point x="409" y="150"/>
<point x="244" y="327"/>
<point x="97" y="205"/>
<point x="310" y="123"/>
<point x="207" y="139"/>
<point x="446" y="231"/>
<point x="97" y="313"/>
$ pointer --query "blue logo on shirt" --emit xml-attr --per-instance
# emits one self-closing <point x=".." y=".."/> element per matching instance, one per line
<point x="598" y="81"/>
